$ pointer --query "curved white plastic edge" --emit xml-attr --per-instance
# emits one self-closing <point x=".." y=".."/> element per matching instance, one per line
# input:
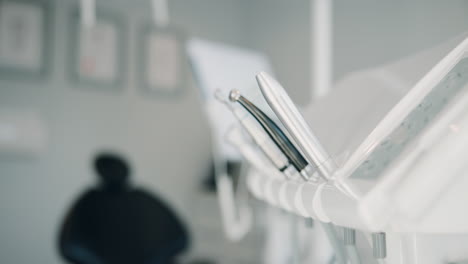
<point x="296" y="196"/>
<point x="298" y="202"/>
<point x="317" y="205"/>
<point x="283" y="201"/>
<point x="269" y="195"/>
<point x="322" y="201"/>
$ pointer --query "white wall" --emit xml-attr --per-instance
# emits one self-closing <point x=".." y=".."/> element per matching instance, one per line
<point x="280" y="29"/>
<point x="366" y="33"/>
<point x="166" y="140"/>
<point x="369" y="33"/>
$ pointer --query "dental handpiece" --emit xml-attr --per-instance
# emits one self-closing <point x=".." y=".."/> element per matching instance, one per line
<point x="276" y="134"/>
<point x="266" y="145"/>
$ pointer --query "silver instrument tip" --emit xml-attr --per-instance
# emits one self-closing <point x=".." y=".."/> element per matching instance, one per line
<point x="234" y="95"/>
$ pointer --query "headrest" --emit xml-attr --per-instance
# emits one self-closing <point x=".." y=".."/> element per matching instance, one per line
<point x="112" y="170"/>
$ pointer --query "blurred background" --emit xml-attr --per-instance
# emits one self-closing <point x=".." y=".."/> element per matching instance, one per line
<point x="166" y="139"/>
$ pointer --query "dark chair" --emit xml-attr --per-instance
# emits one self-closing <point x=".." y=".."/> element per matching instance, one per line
<point x="114" y="223"/>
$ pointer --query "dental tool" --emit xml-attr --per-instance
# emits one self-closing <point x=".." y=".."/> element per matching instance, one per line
<point x="267" y="146"/>
<point x="295" y="124"/>
<point x="277" y="135"/>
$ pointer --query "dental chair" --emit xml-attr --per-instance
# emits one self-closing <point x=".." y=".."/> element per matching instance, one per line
<point x="116" y="223"/>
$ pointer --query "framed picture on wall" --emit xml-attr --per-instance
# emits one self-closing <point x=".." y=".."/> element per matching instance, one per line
<point x="161" y="61"/>
<point x="97" y="52"/>
<point x="25" y="38"/>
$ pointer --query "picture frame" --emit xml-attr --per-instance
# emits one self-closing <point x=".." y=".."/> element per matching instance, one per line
<point x="161" y="65"/>
<point x="97" y="57"/>
<point x="26" y="39"/>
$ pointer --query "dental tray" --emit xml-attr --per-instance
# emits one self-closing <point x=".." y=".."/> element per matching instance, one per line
<point x="412" y="164"/>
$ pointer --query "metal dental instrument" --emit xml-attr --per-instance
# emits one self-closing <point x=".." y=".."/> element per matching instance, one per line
<point x="275" y="133"/>
<point x="268" y="147"/>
